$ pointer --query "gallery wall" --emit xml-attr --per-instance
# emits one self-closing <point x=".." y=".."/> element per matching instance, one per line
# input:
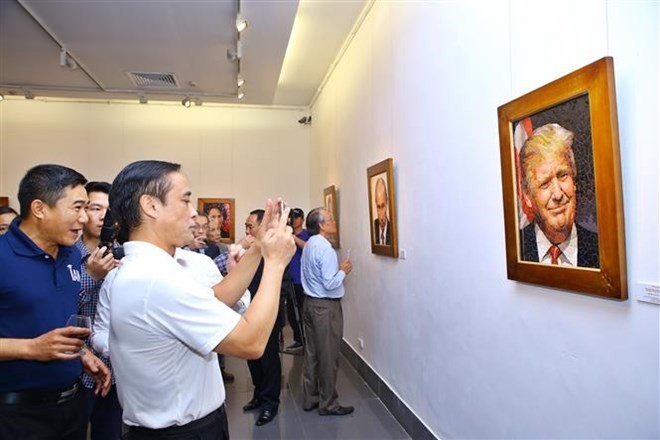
<point x="248" y="154"/>
<point x="471" y="353"/>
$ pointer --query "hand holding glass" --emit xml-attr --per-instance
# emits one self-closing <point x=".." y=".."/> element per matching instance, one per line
<point x="81" y="321"/>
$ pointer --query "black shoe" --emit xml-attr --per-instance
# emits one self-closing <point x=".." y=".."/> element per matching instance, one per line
<point x="339" y="411"/>
<point x="266" y="416"/>
<point x="252" y="405"/>
<point x="310" y="408"/>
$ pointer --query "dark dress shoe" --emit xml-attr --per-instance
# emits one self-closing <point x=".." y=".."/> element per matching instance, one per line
<point x="339" y="411"/>
<point x="310" y="408"/>
<point x="252" y="405"/>
<point x="266" y="416"/>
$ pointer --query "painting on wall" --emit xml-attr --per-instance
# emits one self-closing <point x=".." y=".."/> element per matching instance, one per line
<point x="330" y="204"/>
<point x="561" y="179"/>
<point x="382" y="209"/>
<point x="221" y="214"/>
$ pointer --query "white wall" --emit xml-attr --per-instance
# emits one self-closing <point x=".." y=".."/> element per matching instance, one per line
<point x="473" y="354"/>
<point x="248" y="154"/>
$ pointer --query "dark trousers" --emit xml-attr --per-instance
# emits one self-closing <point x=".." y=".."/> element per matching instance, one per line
<point x="211" y="427"/>
<point x="45" y="421"/>
<point x="266" y="371"/>
<point x="323" y="320"/>
<point x="294" y="308"/>
<point x="104" y="414"/>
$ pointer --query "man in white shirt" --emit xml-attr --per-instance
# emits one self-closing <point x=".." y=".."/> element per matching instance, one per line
<point x="549" y="190"/>
<point x="165" y="328"/>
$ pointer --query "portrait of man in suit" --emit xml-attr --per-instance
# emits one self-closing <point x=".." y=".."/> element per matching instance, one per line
<point x="382" y="229"/>
<point x="549" y="192"/>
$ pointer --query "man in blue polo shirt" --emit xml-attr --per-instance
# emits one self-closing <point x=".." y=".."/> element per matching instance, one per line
<point x="40" y="358"/>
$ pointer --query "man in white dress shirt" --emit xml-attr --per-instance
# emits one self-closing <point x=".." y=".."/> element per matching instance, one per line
<point x="165" y="328"/>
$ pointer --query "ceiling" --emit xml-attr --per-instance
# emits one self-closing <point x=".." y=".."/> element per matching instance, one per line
<point x="287" y="49"/>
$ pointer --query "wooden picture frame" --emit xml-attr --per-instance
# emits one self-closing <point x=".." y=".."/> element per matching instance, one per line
<point x="227" y="208"/>
<point x="552" y="194"/>
<point x="330" y="204"/>
<point x="4" y="201"/>
<point x="384" y="239"/>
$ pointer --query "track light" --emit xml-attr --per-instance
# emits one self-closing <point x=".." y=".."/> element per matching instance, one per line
<point x="241" y="23"/>
<point x="198" y="101"/>
<point x="240" y="94"/>
<point x="66" y="60"/>
<point x="2" y="97"/>
<point x="240" y="80"/>
<point x="235" y="54"/>
<point x="186" y="102"/>
<point x="29" y="94"/>
<point x="143" y="99"/>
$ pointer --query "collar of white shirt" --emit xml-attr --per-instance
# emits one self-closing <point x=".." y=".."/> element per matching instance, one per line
<point x="569" y="248"/>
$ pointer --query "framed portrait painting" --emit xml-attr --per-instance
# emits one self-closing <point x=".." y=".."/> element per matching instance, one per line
<point x="382" y="209"/>
<point x="330" y="204"/>
<point x="4" y="201"/>
<point x="221" y="214"/>
<point x="561" y="180"/>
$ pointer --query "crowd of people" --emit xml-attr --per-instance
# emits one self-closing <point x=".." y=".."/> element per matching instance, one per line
<point x="166" y="302"/>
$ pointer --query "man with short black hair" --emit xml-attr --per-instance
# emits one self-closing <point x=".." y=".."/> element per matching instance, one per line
<point x="295" y="304"/>
<point x="266" y="371"/>
<point x="40" y="358"/>
<point x="166" y="327"/>
<point x="104" y="413"/>
<point x="323" y="318"/>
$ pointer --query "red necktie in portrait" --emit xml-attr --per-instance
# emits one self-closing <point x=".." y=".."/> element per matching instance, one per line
<point x="555" y="252"/>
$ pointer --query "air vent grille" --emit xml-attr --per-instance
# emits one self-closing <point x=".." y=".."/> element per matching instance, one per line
<point x="154" y="80"/>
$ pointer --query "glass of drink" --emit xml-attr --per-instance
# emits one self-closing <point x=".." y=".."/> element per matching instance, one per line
<point x="80" y="321"/>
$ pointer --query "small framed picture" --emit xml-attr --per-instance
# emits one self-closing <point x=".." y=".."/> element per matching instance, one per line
<point x="561" y="180"/>
<point x="221" y="214"/>
<point x="4" y="201"/>
<point x="382" y="209"/>
<point x="330" y="204"/>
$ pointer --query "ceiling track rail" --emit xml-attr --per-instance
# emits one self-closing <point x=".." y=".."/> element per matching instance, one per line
<point x="57" y="41"/>
<point x="117" y="91"/>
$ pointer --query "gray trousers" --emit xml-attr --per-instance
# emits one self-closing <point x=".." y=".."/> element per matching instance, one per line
<point x="323" y="322"/>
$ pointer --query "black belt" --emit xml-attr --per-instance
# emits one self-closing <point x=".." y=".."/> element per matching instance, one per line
<point x="35" y="397"/>
<point x="178" y="429"/>
<point x="324" y="298"/>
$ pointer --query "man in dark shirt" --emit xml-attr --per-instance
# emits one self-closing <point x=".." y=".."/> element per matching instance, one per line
<point x="41" y="359"/>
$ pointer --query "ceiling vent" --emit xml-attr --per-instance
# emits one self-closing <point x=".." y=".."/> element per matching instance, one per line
<point x="154" y="80"/>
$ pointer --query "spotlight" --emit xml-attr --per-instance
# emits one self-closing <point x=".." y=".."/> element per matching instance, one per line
<point x="67" y="61"/>
<point x="29" y="94"/>
<point x="198" y="101"/>
<point x="186" y="102"/>
<point x="241" y="23"/>
<point x="2" y="96"/>
<point x="240" y="80"/>
<point x="143" y="99"/>
<point x="235" y="54"/>
<point x="305" y="120"/>
<point x="241" y="95"/>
